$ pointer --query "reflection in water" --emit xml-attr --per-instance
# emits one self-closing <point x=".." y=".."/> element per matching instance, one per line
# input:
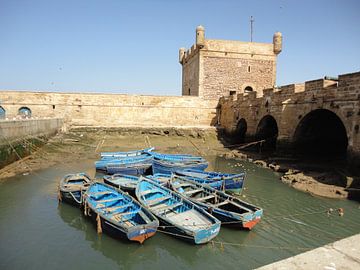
<point x="127" y="254"/>
<point x="37" y="233"/>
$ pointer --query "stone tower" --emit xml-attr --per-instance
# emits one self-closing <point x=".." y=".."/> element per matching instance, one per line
<point x="213" y="68"/>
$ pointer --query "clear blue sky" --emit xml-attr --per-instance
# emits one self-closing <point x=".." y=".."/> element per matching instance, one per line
<point x="132" y="46"/>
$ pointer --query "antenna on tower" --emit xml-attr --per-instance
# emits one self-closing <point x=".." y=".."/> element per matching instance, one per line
<point x="251" y="28"/>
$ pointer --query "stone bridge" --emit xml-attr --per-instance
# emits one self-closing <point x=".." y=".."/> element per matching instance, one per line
<point x="316" y="117"/>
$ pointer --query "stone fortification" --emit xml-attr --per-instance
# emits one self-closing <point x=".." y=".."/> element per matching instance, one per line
<point x="296" y="110"/>
<point x="112" y="110"/>
<point x="215" y="68"/>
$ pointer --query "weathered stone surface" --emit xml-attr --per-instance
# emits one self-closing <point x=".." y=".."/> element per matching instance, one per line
<point x="288" y="105"/>
<point x="113" y="110"/>
<point x="222" y="67"/>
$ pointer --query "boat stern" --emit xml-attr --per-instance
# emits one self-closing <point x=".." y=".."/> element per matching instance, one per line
<point x="205" y="235"/>
<point x="140" y="235"/>
<point x="256" y="217"/>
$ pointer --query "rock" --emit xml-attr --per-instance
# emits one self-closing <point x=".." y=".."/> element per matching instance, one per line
<point x="239" y="155"/>
<point x="274" y="167"/>
<point x="179" y="132"/>
<point x="261" y="163"/>
<point x="193" y="134"/>
<point x="229" y="155"/>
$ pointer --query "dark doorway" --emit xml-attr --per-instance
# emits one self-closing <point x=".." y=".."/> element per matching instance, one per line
<point x="267" y="130"/>
<point x="320" y="133"/>
<point x="240" y="131"/>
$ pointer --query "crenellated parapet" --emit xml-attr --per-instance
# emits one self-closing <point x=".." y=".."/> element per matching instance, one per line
<point x="213" y="68"/>
<point x="288" y="105"/>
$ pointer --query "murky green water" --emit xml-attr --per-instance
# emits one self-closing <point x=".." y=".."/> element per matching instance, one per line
<point x="37" y="233"/>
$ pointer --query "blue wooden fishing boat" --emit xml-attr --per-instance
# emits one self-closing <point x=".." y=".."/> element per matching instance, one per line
<point x="228" y="209"/>
<point x="118" y="213"/>
<point x="132" y="165"/>
<point x="168" y="163"/>
<point x="72" y="186"/>
<point x="225" y="181"/>
<point x="165" y="178"/>
<point x="126" y="183"/>
<point x="179" y="216"/>
<point x="126" y="154"/>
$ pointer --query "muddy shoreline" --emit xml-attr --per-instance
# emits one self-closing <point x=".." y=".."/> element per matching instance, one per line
<point x="318" y="179"/>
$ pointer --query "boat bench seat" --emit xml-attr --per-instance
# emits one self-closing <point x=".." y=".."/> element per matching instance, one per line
<point x="112" y="209"/>
<point x="193" y="191"/>
<point x="101" y="193"/>
<point x="148" y="192"/>
<point x="206" y="198"/>
<point x="156" y="201"/>
<point x="222" y="203"/>
<point x="119" y="216"/>
<point x="109" y="200"/>
<point x="165" y="207"/>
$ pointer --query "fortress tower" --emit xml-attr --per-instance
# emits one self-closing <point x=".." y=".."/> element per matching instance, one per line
<point x="213" y="68"/>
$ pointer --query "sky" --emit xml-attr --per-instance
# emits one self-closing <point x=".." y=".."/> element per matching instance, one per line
<point x="132" y="47"/>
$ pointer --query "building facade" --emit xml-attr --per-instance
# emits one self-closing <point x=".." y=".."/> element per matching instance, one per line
<point x="215" y="68"/>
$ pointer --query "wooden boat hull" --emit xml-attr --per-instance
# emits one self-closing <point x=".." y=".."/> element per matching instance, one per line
<point x="181" y="223"/>
<point x="137" y="235"/>
<point x="126" y="154"/>
<point x="72" y="187"/>
<point x="130" y="169"/>
<point x="73" y="198"/>
<point x="118" y="214"/>
<point x="117" y="164"/>
<point x="230" y="182"/>
<point x="229" y="210"/>
<point x="164" y="167"/>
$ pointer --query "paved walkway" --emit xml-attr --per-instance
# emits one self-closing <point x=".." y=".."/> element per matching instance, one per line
<point x="343" y="254"/>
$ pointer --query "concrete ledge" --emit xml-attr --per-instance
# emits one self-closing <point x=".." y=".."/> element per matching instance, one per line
<point x="343" y="254"/>
<point x="17" y="129"/>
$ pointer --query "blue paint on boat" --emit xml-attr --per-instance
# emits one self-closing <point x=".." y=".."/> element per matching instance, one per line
<point x="126" y="154"/>
<point x="72" y="186"/>
<point x="229" y="209"/>
<point x="226" y="181"/>
<point x="179" y="216"/>
<point x="135" y="165"/>
<point x="120" y="215"/>
<point x="168" y="163"/>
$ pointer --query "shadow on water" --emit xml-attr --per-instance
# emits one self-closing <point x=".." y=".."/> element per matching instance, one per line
<point x="128" y="254"/>
<point x="37" y="233"/>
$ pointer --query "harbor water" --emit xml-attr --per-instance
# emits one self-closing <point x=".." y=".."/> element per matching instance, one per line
<point x="37" y="232"/>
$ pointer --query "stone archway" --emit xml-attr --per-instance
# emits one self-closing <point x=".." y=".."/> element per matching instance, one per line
<point x="240" y="131"/>
<point x="320" y="133"/>
<point x="267" y="130"/>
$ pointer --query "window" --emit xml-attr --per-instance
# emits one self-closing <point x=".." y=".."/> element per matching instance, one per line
<point x="248" y="89"/>
<point x="24" y="112"/>
<point x="189" y="92"/>
<point x="249" y="69"/>
<point x="2" y="113"/>
<point x="232" y="93"/>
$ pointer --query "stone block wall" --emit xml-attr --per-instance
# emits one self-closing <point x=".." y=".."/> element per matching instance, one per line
<point x="291" y="103"/>
<point x="113" y="110"/>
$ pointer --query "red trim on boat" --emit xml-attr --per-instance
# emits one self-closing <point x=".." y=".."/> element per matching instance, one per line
<point x="249" y="225"/>
<point x="142" y="237"/>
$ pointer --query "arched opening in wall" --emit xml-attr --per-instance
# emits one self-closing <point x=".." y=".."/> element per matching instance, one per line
<point x="267" y="130"/>
<point x="24" y="112"/>
<point x="248" y="89"/>
<point x="320" y="133"/>
<point x="240" y="131"/>
<point x="2" y="113"/>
